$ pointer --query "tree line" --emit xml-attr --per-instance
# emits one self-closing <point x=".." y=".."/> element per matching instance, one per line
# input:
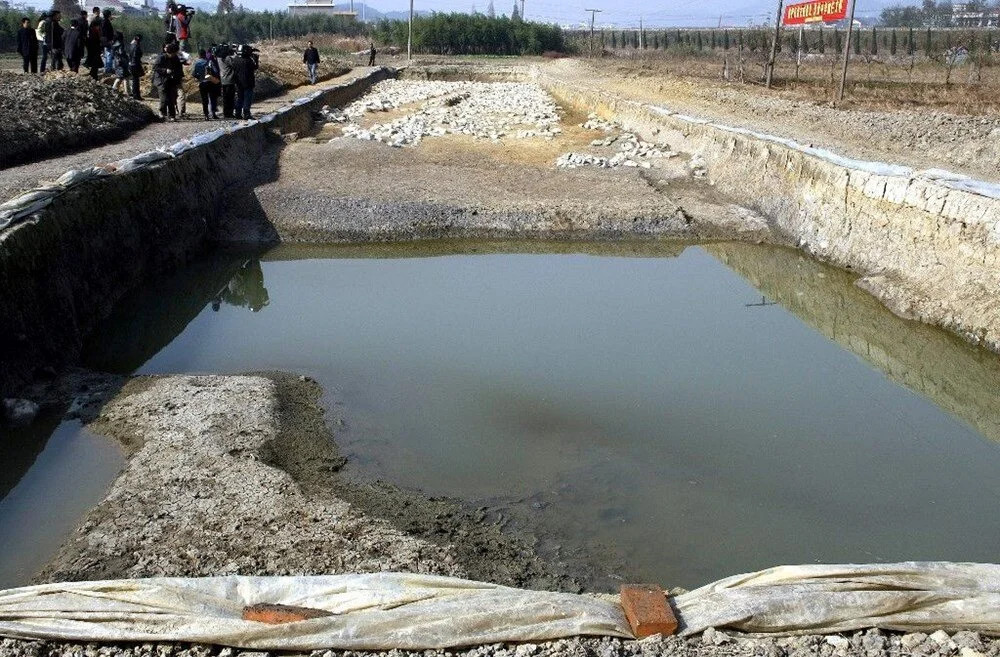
<point x="472" y="34"/>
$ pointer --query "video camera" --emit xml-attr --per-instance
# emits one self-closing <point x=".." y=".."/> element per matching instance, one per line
<point x="179" y="8"/>
<point x="223" y="50"/>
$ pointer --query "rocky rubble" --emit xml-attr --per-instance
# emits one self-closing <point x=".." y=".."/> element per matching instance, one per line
<point x="632" y="151"/>
<point x="42" y="116"/>
<point x="478" y="109"/>
<point x="712" y="643"/>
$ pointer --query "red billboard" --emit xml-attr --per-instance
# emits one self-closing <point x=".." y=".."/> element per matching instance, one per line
<point x="816" y="11"/>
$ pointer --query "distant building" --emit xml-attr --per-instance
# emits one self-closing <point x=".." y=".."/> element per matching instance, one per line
<point x="324" y="7"/>
<point x="121" y="6"/>
<point x="966" y="15"/>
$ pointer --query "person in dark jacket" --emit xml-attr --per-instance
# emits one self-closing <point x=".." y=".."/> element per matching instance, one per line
<point x="94" y="61"/>
<point x="228" y="80"/>
<point x="371" y="55"/>
<point x="133" y="55"/>
<point x="54" y="40"/>
<point x="167" y="75"/>
<point x="107" y="42"/>
<point x="310" y="57"/>
<point x="206" y="71"/>
<point x="73" y="43"/>
<point x="245" y="76"/>
<point x="27" y="46"/>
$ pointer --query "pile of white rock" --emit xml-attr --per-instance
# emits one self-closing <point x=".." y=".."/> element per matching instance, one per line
<point x="479" y="109"/>
<point x="632" y="151"/>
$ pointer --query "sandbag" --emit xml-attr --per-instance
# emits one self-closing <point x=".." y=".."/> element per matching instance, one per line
<point x="419" y="612"/>
<point x="372" y="612"/>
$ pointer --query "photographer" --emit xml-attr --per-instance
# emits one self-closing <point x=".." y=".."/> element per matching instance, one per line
<point x="245" y="76"/>
<point x="182" y="21"/>
<point x="167" y="75"/>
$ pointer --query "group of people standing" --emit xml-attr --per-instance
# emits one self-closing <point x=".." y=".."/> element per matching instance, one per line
<point x="224" y="72"/>
<point x="91" y="41"/>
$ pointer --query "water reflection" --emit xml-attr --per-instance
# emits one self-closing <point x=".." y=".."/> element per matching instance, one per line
<point x="959" y="378"/>
<point x="245" y="289"/>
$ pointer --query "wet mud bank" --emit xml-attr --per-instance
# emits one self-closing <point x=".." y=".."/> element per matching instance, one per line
<point x="926" y="244"/>
<point x="241" y="475"/>
<point x="64" y="267"/>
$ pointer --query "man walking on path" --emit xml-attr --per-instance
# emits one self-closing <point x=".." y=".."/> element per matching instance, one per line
<point x="133" y="56"/>
<point x="371" y="55"/>
<point x="311" y="59"/>
<point x="27" y="46"/>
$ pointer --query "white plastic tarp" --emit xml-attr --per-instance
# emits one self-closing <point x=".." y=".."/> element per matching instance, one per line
<point x="385" y="611"/>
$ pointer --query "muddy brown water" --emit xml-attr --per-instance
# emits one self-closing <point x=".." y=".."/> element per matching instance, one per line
<point x="647" y="404"/>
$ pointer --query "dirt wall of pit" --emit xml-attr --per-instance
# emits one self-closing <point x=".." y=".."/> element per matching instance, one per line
<point x="926" y="244"/>
<point x="63" y="269"/>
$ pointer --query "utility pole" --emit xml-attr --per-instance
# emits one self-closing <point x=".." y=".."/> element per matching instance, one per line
<point x="847" y="51"/>
<point x="593" y="13"/>
<point x="774" y="44"/>
<point x="642" y="36"/>
<point x="409" y="36"/>
<point x="798" y="55"/>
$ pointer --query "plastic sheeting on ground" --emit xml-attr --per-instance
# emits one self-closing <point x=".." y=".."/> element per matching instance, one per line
<point x="385" y="611"/>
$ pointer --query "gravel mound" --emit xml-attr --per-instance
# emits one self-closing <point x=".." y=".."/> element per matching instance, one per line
<point x="43" y="116"/>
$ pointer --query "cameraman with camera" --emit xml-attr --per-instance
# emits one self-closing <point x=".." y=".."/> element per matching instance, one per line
<point x="177" y="21"/>
<point x="245" y="77"/>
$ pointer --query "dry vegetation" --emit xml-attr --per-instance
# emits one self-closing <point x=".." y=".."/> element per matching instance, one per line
<point x="873" y="83"/>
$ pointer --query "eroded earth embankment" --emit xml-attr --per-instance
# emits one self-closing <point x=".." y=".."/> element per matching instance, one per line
<point x="65" y="265"/>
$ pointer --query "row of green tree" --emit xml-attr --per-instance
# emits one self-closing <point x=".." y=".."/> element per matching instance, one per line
<point x="472" y="34"/>
<point x="206" y="29"/>
<point x="876" y="41"/>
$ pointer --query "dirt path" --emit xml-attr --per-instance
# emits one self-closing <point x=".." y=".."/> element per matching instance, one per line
<point x="19" y="179"/>
<point x="922" y="139"/>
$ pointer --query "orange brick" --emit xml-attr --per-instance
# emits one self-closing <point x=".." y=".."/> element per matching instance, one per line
<point x="279" y="614"/>
<point x="647" y="611"/>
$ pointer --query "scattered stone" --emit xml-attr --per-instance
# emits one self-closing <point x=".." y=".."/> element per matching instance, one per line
<point x="481" y="110"/>
<point x="911" y="641"/>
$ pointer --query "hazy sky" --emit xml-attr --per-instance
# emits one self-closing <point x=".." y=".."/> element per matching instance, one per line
<point x="617" y="12"/>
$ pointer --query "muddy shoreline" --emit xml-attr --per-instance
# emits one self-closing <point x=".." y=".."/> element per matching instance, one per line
<point x="241" y="475"/>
